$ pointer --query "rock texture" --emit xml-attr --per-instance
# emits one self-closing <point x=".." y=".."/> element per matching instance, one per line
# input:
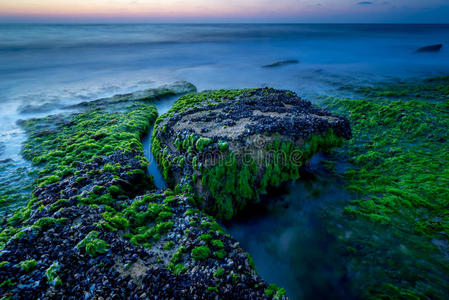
<point x="122" y="270"/>
<point x="227" y="146"/>
<point x="96" y="228"/>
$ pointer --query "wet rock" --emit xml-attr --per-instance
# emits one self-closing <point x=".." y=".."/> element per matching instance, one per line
<point x="101" y="232"/>
<point x="228" y="145"/>
<point x="176" y="88"/>
<point x="282" y="63"/>
<point x="431" y="48"/>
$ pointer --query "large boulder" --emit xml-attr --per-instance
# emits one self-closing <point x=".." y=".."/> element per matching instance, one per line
<point x="228" y="146"/>
<point x="95" y="228"/>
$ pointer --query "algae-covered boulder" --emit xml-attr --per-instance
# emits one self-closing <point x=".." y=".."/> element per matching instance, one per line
<point x="228" y="146"/>
<point x="94" y="227"/>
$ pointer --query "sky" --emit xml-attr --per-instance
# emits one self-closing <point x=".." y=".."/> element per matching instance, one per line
<point x="302" y="11"/>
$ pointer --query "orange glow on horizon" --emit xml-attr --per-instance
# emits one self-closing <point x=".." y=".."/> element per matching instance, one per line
<point x="198" y="9"/>
<point x="149" y="8"/>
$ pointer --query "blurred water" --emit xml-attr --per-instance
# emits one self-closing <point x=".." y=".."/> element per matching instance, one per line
<point x="45" y="67"/>
<point x="288" y="237"/>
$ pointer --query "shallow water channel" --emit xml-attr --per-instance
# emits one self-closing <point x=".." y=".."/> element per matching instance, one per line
<point x="286" y="233"/>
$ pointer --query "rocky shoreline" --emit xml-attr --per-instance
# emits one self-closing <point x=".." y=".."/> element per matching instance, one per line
<point x="97" y="228"/>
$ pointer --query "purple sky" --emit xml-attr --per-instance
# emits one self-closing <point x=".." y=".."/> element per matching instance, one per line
<point x="321" y="11"/>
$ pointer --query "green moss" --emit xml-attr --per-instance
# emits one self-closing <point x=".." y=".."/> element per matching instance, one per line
<point x="219" y="272"/>
<point x="4" y="263"/>
<point x="92" y="244"/>
<point x="52" y="274"/>
<point x="223" y="146"/>
<point x="213" y="289"/>
<point x="169" y="245"/>
<point x="60" y="203"/>
<point x="176" y="269"/>
<point x="205" y="237"/>
<point x="83" y="137"/>
<point x="116" y="221"/>
<point x="272" y="291"/>
<point x="7" y="283"/>
<point x="234" y="184"/>
<point x="80" y="179"/>
<point x="50" y="179"/>
<point x="251" y="261"/>
<point x="213" y="97"/>
<point x="47" y="222"/>
<point x="400" y="176"/>
<point x="280" y="293"/>
<point x="201" y="143"/>
<point x="178" y="255"/>
<point x="151" y="233"/>
<point x="217" y="244"/>
<point x="213" y="227"/>
<point x="200" y="253"/>
<point x="28" y="265"/>
<point x="220" y="254"/>
<point x="192" y="142"/>
<point x="57" y="144"/>
<point x="114" y="190"/>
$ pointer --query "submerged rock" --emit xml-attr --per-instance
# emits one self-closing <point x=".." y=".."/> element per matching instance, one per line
<point x="282" y="63"/>
<point x="431" y="48"/>
<point x="173" y="89"/>
<point x="38" y="108"/>
<point x="228" y="146"/>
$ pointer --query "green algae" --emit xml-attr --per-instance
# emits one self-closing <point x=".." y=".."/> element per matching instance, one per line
<point x="52" y="274"/>
<point x="28" y="265"/>
<point x="215" y="97"/>
<point x="177" y="269"/>
<point x="84" y="137"/>
<point x="58" y="144"/>
<point x="434" y="89"/>
<point x="169" y="245"/>
<point x="217" y="244"/>
<point x="200" y="253"/>
<point x="47" y="222"/>
<point x="274" y="291"/>
<point x="400" y="159"/>
<point x="234" y="184"/>
<point x="236" y="179"/>
<point x="178" y="255"/>
<point x="92" y="244"/>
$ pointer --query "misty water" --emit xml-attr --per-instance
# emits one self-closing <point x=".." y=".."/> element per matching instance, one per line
<point x="45" y="67"/>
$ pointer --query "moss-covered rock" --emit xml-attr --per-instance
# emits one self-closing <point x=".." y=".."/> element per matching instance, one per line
<point x="97" y="227"/>
<point x="228" y="146"/>
<point x="400" y="175"/>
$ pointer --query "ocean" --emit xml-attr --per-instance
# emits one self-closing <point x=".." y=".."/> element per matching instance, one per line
<point x="45" y="67"/>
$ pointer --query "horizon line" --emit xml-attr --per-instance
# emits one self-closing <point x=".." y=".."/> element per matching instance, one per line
<point x="180" y="22"/>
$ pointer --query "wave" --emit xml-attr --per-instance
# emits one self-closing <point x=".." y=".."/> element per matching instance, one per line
<point x="16" y="38"/>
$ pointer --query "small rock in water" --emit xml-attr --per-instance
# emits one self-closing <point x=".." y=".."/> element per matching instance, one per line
<point x="431" y="48"/>
<point x="282" y="63"/>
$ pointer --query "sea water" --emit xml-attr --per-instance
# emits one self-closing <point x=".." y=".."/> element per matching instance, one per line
<point x="45" y="67"/>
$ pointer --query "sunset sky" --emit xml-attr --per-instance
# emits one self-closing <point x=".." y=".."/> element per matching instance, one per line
<point x="391" y="11"/>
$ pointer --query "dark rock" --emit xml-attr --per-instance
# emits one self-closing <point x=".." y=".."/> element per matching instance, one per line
<point x="250" y="122"/>
<point x="282" y="63"/>
<point x="431" y="48"/>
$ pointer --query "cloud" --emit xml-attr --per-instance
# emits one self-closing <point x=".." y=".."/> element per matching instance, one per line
<point x="365" y="3"/>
